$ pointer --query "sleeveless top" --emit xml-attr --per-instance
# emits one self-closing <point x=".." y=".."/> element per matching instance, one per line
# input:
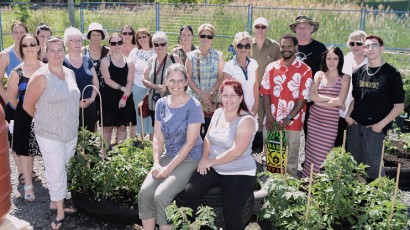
<point x="57" y="109"/>
<point x="97" y="63"/>
<point x="22" y="85"/>
<point x="13" y="61"/>
<point x="222" y="139"/>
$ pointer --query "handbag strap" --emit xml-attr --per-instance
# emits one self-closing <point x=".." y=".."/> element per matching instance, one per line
<point x="156" y="71"/>
<point x="198" y="66"/>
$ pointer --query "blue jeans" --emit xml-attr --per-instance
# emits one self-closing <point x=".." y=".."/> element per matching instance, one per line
<point x="366" y="147"/>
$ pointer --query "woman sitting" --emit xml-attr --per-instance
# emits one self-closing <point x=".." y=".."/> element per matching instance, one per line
<point x="178" y="118"/>
<point x="226" y="159"/>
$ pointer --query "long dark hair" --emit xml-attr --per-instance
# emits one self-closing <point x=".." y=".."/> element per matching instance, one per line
<point x="237" y="87"/>
<point x="339" y="53"/>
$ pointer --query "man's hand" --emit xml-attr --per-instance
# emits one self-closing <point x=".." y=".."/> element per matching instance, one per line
<point x="282" y="124"/>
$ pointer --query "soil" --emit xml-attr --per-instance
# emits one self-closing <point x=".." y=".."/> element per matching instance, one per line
<point x="393" y="160"/>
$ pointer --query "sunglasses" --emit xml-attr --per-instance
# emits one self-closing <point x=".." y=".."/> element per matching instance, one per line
<point x="127" y="33"/>
<point x="160" y="44"/>
<point x="241" y="46"/>
<point x="116" y="43"/>
<point x="143" y="36"/>
<point x="357" y="43"/>
<point x="210" y="37"/>
<point x="27" y="45"/>
<point x="260" y="27"/>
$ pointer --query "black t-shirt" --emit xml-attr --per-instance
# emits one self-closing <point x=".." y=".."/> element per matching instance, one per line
<point x="374" y="96"/>
<point x="313" y="52"/>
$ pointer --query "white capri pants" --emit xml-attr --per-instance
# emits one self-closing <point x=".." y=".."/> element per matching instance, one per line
<point x="56" y="155"/>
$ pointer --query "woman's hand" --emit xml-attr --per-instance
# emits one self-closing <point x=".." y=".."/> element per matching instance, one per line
<point x="122" y="103"/>
<point x="204" y="166"/>
<point x="254" y="110"/>
<point x="163" y="172"/>
<point x="160" y="87"/>
<point x="86" y="102"/>
<point x="156" y="169"/>
<point x="126" y="91"/>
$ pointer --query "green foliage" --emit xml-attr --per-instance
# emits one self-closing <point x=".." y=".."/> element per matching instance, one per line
<point x="21" y="9"/>
<point x="398" y="146"/>
<point x="339" y="199"/>
<point x="117" y="178"/>
<point x="406" y="87"/>
<point x="180" y="217"/>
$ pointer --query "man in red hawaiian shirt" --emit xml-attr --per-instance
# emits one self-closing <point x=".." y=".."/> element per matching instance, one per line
<point x="285" y="88"/>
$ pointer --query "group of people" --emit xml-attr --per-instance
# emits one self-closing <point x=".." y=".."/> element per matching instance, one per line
<point x="203" y="113"/>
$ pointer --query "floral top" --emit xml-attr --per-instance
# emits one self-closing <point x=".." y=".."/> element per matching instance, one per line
<point x="286" y="86"/>
<point x="140" y="59"/>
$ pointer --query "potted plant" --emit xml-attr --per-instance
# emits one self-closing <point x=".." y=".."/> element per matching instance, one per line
<point x="339" y="199"/>
<point x="108" y="189"/>
<point x="180" y="217"/>
<point x="397" y="150"/>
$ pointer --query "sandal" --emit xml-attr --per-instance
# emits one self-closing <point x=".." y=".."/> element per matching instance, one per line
<point x="29" y="197"/>
<point x="57" y="223"/>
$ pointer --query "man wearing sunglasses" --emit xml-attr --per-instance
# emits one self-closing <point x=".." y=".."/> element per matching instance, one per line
<point x="264" y="51"/>
<point x="378" y="98"/>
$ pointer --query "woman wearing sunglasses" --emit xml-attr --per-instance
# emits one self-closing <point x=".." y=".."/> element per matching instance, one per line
<point x="117" y="102"/>
<point x="353" y="60"/>
<point x="186" y="35"/>
<point x="245" y="70"/>
<point x="24" y="144"/>
<point x="140" y="56"/>
<point x="128" y="34"/>
<point x="154" y="72"/>
<point x="204" y="67"/>
<point x="84" y="75"/>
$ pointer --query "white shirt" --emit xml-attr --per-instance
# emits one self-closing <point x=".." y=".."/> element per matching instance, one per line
<point x="348" y="69"/>
<point x="140" y="59"/>
<point x="232" y="68"/>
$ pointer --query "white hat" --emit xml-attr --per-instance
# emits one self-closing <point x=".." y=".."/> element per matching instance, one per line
<point x="93" y="27"/>
<point x="261" y="20"/>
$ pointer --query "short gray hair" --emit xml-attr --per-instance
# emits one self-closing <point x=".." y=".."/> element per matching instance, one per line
<point x="70" y="32"/>
<point x="159" y="36"/>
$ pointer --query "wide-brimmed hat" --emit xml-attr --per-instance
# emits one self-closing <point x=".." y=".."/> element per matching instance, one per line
<point x="95" y="26"/>
<point x="304" y="19"/>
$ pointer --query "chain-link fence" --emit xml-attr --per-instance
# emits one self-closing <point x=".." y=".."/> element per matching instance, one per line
<point x="335" y="24"/>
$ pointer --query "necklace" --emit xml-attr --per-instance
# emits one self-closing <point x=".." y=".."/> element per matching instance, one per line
<point x="371" y="74"/>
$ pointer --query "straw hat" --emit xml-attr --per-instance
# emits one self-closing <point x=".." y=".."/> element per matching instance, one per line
<point x="304" y="19"/>
<point x="95" y="26"/>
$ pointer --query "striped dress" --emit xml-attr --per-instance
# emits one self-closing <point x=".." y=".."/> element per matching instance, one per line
<point x="322" y="129"/>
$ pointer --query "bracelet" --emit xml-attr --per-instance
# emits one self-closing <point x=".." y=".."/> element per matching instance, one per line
<point x="124" y="97"/>
<point x="119" y="87"/>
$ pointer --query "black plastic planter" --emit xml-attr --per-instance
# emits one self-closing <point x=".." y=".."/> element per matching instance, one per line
<point x="106" y="210"/>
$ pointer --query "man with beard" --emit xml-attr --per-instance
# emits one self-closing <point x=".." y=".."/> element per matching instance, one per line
<point x="378" y="98"/>
<point x="285" y="88"/>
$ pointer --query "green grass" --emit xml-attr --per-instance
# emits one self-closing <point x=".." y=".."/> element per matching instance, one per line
<point x="335" y="26"/>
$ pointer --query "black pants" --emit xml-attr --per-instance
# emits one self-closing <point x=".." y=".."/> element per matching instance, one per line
<point x="235" y="189"/>
<point x="340" y="131"/>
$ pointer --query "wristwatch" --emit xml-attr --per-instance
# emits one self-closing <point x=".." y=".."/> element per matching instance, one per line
<point x="290" y="118"/>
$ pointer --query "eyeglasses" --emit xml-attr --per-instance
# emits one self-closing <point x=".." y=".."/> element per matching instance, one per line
<point x="210" y="37"/>
<point x="116" y="43"/>
<point x="127" y="33"/>
<point x="357" y="43"/>
<point x="179" y="82"/>
<point x="27" y="45"/>
<point x="160" y="44"/>
<point x="373" y="46"/>
<point x="241" y="46"/>
<point x="260" y="27"/>
<point x="142" y="36"/>
<point x="227" y="96"/>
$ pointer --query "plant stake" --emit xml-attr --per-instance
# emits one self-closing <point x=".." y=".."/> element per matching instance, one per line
<point x="286" y="165"/>
<point x="280" y="153"/>
<point x="142" y="125"/>
<point x="310" y="191"/>
<point x="344" y="139"/>
<point x="381" y="162"/>
<point x="395" y="193"/>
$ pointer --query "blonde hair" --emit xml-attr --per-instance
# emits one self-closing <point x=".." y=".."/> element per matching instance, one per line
<point x="357" y="35"/>
<point x="242" y="36"/>
<point x="208" y="27"/>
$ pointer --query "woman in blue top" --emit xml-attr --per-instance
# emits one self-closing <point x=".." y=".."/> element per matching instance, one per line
<point x="226" y="160"/>
<point x="178" y="118"/>
<point x="85" y="74"/>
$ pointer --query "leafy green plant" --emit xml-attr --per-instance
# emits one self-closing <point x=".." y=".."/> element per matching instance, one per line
<point x="118" y="177"/>
<point x="399" y="145"/>
<point x="21" y="9"/>
<point x="180" y="217"/>
<point x="339" y="199"/>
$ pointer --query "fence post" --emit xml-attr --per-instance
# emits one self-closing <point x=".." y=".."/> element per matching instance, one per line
<point x="1" y="33"/>
<point x="157" y="16"/>
<point x="250" y="15"/>
<point x="82" y="16"/>
<point x="363" y="19"/>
